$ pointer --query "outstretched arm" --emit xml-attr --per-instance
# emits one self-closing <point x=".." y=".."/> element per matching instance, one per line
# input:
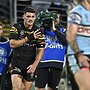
<point x="61" y="36"/>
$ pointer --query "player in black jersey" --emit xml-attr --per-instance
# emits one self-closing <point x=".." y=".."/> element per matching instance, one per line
<point x="28" y="45"/>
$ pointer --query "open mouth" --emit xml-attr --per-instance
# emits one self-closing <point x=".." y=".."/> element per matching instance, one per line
<point x="30" y="21"/>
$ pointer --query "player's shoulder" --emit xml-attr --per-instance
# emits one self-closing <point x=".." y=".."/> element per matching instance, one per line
<point x="18" y="24"/>
<point x="77" y="9"/>
<point x="16" y="27"/>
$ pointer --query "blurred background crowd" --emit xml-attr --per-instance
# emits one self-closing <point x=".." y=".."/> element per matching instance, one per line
<point x="12" y="10"/>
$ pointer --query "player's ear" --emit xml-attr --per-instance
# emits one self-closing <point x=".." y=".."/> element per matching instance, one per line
<point x="23" y="16"/>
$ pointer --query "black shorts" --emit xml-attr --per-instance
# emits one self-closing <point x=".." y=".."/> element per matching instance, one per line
<point x="19" y="66"/>
<point x="50" y="76"/>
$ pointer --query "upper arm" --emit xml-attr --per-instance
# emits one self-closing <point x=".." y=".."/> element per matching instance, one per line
<point x="71" y="31"/>
<point x="74" y="21"/>
<point x="14" y="33"/>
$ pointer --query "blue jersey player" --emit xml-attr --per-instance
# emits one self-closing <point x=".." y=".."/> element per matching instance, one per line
<point x="51" y="65"/>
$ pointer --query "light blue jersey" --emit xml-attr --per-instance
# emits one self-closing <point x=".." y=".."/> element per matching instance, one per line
<point x="80" y="16"/>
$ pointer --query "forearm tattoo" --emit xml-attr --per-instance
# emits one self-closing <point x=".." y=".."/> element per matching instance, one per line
<point x="74" y="46"/>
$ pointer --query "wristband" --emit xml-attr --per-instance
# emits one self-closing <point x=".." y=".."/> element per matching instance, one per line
<point x="78" y="53"/>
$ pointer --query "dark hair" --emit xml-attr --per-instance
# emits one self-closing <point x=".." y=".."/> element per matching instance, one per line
<point x="29" y="9"/>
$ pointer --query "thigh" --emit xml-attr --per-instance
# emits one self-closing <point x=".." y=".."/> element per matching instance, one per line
<point x="83" y="78"/>
<point x="16" y="81"/>
<point x="54" y="77"/>
<point x="42" y="77"/>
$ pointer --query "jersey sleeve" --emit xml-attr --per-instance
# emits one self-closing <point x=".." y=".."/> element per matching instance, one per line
<point x="14" y="33"/>
<point x="41" y="42"/>
<point x="74" y="18"/>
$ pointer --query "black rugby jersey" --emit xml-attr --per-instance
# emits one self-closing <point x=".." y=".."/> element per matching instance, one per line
<point x="17" y="32"/>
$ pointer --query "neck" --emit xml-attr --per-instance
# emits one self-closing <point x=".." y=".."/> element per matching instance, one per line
<point x="86" y="5"/>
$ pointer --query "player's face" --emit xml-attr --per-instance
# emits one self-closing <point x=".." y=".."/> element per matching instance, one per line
<point x="57" y="21"/>
<point x="1" y="31"/>
<point x="29" y="18"/>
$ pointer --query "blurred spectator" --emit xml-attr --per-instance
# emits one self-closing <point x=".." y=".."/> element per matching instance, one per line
<point x="5" y="51"/>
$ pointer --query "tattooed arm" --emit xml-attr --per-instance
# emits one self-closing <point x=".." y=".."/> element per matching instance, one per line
<point x="71" y="38"/>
